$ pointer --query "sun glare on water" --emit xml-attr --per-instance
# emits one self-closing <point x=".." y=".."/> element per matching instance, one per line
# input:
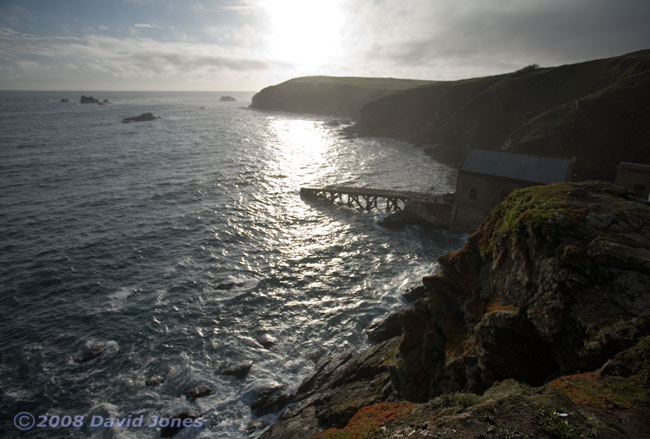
<point x="305" y="33"/>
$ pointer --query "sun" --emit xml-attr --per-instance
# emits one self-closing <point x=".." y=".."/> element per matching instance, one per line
<point x="305" y="33"/>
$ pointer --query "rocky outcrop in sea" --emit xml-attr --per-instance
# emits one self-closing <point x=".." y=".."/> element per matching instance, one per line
<point x="92" y="100"/>
<point x="538" y="327"/>
<point x="144" y="117"/>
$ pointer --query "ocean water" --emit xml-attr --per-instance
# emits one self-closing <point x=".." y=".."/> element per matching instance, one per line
<point x="177" y="244"/>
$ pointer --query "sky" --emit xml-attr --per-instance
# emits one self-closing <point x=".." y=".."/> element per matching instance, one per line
<point x="245" y="45"/>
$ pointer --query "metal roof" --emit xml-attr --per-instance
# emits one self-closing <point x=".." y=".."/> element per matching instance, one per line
<point x="524" y="167"/>
<point x="635" y="166"/>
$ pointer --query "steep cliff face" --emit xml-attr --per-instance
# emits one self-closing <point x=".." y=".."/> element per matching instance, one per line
<point x="551" y="291"/>
<point x="593" y="110"/>
<point x="554" y="281"/>
<point x="337" y="96"/>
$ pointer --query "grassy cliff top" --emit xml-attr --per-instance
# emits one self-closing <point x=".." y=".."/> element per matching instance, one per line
<point x="356" y="81"/>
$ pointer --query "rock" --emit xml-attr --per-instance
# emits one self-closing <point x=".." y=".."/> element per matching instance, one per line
<point x="238" y="370"/>
<point x="532" y="298"/>
<point x="91" y="351"/>
<point x="337" y="122"/>
<point x="266" y="340"/>
<point x="398" y="220"/>
<point x="384" y="329"/>
<point x="415" y="293"/>
<point x="255" y="425"/>
<point x="92" y="100"/>
<point x="144" y="117"/>
<point x="225" y="286"/>
<point x="270" y="400"/>
<point x="64" y="101"/>
<point x="157" y="376"/>
<point x="227" y="99"/>
<point x="199" y="391"/>
<point x="173" y="429"/>
<point x="335" y="391"/>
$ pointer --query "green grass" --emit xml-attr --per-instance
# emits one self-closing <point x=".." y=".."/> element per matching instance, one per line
<point x="557" y="427"/>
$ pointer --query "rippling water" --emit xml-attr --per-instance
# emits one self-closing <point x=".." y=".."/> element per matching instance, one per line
<point x="125" y="234"/>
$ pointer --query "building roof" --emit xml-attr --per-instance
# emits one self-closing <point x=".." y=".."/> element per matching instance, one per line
<point x="635" y="166"/>
<point x="523" y="167"/>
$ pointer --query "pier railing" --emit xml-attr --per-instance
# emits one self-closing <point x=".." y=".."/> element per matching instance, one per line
<point x="369" y="198"/>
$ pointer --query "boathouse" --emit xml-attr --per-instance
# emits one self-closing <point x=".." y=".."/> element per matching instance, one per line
<point x="486" y="177"/>
<point x="635" y="177"/>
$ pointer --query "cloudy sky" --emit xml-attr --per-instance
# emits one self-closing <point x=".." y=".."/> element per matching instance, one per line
<point x="248" y="44"/>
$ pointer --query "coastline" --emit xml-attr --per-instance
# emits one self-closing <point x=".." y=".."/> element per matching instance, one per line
<point x="493" y="338"/>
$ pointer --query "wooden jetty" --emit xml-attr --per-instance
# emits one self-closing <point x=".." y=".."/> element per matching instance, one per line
<point x="433" y="209"/>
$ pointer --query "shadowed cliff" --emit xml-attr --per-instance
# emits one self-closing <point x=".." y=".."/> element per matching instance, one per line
<point x="595" y="111"/>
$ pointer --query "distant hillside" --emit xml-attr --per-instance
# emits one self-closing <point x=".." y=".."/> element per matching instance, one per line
<point x="596" y="111"/>
<point x="337" y="96"/>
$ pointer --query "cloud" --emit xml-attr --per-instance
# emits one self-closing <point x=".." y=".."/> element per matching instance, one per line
<point x="144" y="25"/>
<point x="122" y="58"/>
<point x="451" y="39"/>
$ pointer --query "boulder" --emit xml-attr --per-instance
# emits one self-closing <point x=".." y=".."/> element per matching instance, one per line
<point x="144" y="117"/>
<point x="238" y="370"/>
<point x="173" y="429"/>
<point x="266" y="340"/>
<point x="199" y="391"/>
<point x="384" y="329"/>
<point x="156" y="376"/>
<point x="337" y="122"/>
<point x="399" y="219"/>
<point x="91" y="351"/>
<point x="270" y="400"/>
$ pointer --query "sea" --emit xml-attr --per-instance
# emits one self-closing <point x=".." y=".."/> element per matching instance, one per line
<point x="179" y="248"/>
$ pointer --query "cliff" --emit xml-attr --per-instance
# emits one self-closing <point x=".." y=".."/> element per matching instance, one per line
<point x="538" y="327"/>
<point x="337" y="96"/>
<point x="595" y="111"/>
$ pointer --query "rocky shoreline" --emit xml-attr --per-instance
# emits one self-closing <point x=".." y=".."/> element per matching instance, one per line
<point x="539" y="327"/>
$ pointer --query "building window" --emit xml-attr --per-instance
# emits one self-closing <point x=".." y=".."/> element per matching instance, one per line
<point x="639" y="190"/>
<point x="472" y="194"/>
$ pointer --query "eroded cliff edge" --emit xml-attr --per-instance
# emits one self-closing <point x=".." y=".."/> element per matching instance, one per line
<point x="538" y="327"/>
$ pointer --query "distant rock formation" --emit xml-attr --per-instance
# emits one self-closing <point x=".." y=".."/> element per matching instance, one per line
<point x="144" y="117"/>
<point x="92" y="100"/>
<point x="227" y="99"/>
<point x="64" y="101"/>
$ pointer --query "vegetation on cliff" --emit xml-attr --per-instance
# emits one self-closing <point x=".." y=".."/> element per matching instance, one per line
<point x="593" y="110"/>
<point x="538" y="328"/>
